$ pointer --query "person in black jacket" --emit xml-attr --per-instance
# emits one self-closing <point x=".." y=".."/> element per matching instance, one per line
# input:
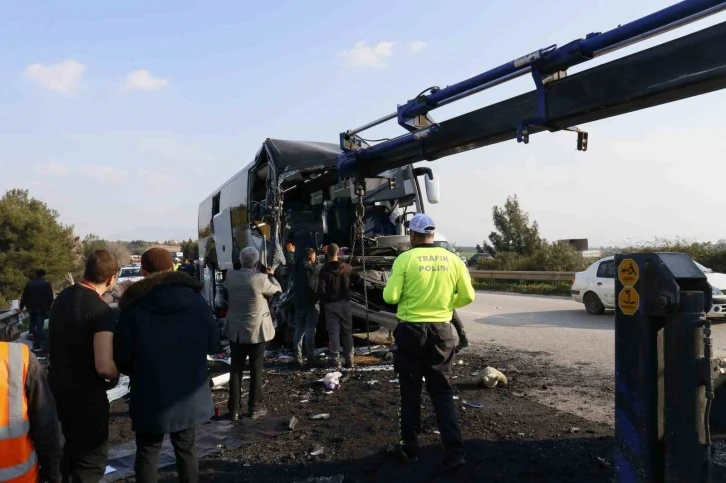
<point x="163" y="336"/>
<point x="37" y="297"/>
<point x="334" y="291"/>
<point x="307" y="310"/>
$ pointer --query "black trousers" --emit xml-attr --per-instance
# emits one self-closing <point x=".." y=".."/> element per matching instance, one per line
<point x="426" y="350"/>
<point x="84" y="421"/>
<point x="339" y="322"/>
<point x="240" y="353"/>
<point x="83" y="465"/>
<point x="148" y="446"/>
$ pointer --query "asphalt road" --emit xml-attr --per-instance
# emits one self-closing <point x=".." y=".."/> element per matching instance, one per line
<point x="576" y="350"/>
<point x="556" y="326"/>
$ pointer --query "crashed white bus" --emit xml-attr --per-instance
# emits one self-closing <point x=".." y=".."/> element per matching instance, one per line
<point x="291" y="193"/>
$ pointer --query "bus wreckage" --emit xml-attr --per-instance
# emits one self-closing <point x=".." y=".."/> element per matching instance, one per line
<point x="291" y="192"/>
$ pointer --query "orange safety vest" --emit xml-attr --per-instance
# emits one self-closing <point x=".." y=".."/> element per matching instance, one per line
<point x="18" y="461"/>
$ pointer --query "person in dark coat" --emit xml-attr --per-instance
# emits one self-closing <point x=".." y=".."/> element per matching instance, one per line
<point x="334" y="291"/>
<point x="37" y="298"/>
<point x="163" y="336"/>
<point x="307" y="308"/>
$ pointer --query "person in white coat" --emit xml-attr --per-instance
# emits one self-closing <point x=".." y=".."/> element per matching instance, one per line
<point x="248" y="327"/>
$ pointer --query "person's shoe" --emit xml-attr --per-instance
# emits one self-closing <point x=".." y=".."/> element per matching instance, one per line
<point x="403" y="457"/>
<point x="258" y="412"/>
<point x="349" y="365"/>
<point x="314" y="363"/>
<point x="453" y="462"/>
<point x="234" y="416"/>
<point x="334" y="363"/>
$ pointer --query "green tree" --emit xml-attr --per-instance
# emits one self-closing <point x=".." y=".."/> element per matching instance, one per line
<point x="190" y="249"/>
<point x="31" y="237"/>
<point x="91" y="243"/>
<point x="119" y="249"/>
<point x="513" y="232"/>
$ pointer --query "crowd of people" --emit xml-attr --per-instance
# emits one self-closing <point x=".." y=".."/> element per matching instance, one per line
<point x="160" y="336"/>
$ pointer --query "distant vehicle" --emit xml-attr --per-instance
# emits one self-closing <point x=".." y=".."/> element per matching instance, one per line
<point x="595" y="287"/>
<point x="473" y="262"/>
<point x="129" y="274"/>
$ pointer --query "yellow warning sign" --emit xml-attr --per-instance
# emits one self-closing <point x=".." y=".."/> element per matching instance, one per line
<point x="628" y="272"/>
<point x="628" y="300"/>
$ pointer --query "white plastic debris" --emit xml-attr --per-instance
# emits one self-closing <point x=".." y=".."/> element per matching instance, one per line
<point x="319" y="417"/>
<point x="331" y="380"/>
<point x="473" y="404"/>
<point x="374" y="368"/>
<point x="393" y="381"/>
<point x="121" y="389"/>
<point x="305" y="400"/>
<point x="456" y="398"/>
<point x="220" y="381"/>
<point x="491" y="377"/>
<point x="372" y="382"/>
<point x="317" y="450"/>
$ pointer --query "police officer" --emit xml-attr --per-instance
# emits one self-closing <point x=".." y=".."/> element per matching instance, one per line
<point x="427" y="282"/>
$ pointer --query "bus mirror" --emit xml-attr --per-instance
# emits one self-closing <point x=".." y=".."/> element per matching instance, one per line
<point x="432" y="189"/>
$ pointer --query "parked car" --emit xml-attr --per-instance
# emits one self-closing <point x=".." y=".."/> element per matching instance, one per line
<point x="129" y="274"/>
<point x="473" y="262"/>
<point x="595" y="287"/>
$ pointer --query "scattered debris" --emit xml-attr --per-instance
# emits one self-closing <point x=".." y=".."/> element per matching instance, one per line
<point x="473" y="404"/>
<point x="521" y="435"/>
<point x="320" y="416"/>
<point x="376" y="349"/>
<point x="474" y="374"/>
<point x="331" y="380"/>
<point x="317" y="450"/>
<point x="460" y="362"/>
<point x="372" y="382"/>
<point x="325" y="479"/>
<point x="305" y="400"/>
<point x="386" y="367"/>
<point x="491" y="377"/>
<point x="219" y="381"/>
<point x="293" y="423"/>
<point x="456" y="398"/>
<point x="603" y="463"/>
<point x="393" y="381"/>
<point x="285" y="358"/>
<point x="574" y="430"/>
<point x="436" y="431"/>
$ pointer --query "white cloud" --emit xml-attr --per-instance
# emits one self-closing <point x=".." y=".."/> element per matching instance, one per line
<point x="416" y="46"/>
<point x="362" y="55"/>
<point x="51" y="169"/>
<point x="103" y="174"/>
<point x="63" y="77"/>
<point x="143" y="80"/>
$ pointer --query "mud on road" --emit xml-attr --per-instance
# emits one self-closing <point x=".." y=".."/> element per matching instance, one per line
<point x="512" y="438"/>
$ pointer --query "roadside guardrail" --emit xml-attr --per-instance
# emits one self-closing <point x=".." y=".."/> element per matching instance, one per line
<point x="10" y="326"/>
<point x="529" y="276"/>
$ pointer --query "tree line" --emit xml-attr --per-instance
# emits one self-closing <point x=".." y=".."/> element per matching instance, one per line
<point x="32" y="237"/>
<point x="516" y="244"/>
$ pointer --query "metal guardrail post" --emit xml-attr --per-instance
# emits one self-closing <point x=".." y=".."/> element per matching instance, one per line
<point x="661" y="370"/>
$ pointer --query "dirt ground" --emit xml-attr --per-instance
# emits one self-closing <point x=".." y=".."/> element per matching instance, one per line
<point x="512" y="438"/>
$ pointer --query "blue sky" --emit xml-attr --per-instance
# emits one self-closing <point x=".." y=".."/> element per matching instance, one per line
<point x="124" y="115"/>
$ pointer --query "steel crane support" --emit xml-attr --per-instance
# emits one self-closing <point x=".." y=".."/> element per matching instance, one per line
<point x="688" y="66"/>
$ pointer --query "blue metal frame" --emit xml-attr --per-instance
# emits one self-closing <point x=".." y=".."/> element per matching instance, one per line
<point x="541" y="64"/>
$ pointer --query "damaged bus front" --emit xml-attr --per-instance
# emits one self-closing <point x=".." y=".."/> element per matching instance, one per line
<point x="291" y="193"/>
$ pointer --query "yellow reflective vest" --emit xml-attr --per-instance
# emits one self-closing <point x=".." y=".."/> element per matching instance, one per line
<point x="428" y="283"/>
<point x="18" y="461"/>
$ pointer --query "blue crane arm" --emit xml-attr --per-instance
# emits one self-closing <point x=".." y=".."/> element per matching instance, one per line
<point x="548" y="67"/>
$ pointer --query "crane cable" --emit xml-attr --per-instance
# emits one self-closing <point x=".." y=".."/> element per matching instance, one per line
<point x="360" y="233"/>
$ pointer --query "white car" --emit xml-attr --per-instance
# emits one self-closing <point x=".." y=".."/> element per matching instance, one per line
<point x="129" y="274"/>
<point x="595" y="287"/>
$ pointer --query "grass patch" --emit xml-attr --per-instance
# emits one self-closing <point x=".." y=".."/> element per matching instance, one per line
<point x="534" y="288"/>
